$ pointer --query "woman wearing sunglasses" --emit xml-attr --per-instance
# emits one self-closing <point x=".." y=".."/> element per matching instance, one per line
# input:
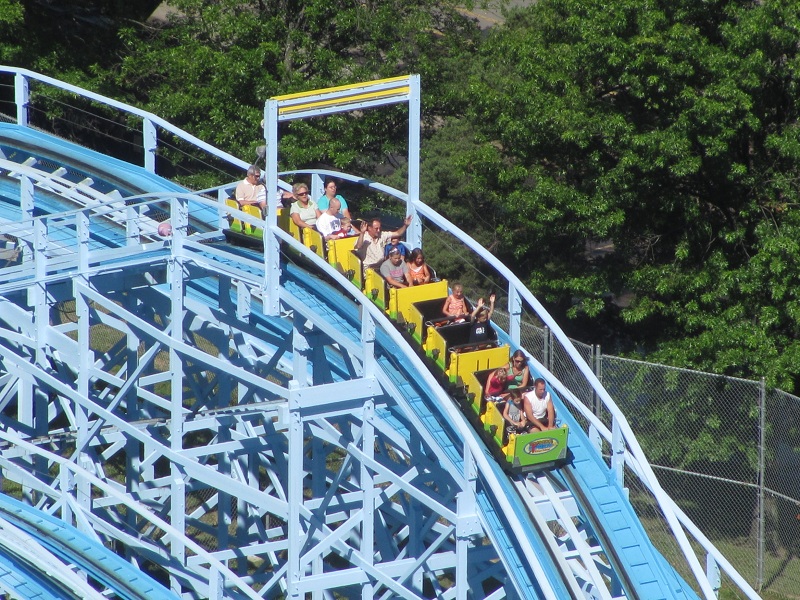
<point x="304" y="210"/>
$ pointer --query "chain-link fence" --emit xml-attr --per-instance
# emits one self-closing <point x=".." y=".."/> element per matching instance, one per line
<point x="727" y="450"/>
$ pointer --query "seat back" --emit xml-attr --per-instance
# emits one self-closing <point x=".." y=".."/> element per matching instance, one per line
<point x="234" y="223"/>
<point x="312" y="239"/>
<point x="250" y="229"/>
<point x="402" y="299"/>
<point x="375" y="288"/>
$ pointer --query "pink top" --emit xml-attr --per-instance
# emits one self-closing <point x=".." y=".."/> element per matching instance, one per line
<point x="495" y="385"/>
<point x="456" y="306"/>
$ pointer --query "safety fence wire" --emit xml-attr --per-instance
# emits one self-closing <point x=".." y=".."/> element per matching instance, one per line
<point x="727" y="450"/>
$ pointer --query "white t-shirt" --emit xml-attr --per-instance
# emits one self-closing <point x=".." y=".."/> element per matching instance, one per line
<point x="328" y="223"/>
<point x="538" y="405"/>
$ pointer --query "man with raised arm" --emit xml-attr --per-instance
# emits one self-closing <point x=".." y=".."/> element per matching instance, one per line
<point x="371" y="241"/>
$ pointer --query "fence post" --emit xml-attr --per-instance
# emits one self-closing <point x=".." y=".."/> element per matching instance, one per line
<point x="514" y="315"/>
<point x="598" y="372"/>
<point x="150" y="143"/>
<point x="761" y="528"/>
<point x="594" y="434"/>
<point x="546" y="348"/>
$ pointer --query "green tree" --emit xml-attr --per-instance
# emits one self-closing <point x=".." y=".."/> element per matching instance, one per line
<point x="212" y="66"/>
<point x="68" y="40"/>
<point x="642" y="161"/>
<point x="12" y="16"/>
<point x="647" y="152"/>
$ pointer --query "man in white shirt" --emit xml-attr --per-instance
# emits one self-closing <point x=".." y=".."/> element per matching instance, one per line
<point x="539" y="407"/>
<point x="372" y="241"/>
<point x="329" y="223"/>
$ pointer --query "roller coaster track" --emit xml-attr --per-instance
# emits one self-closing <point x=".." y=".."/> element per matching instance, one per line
<point x="154" y="401"/>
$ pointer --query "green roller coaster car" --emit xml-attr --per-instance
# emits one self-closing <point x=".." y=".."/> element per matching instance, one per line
<point x="537" y="450"/>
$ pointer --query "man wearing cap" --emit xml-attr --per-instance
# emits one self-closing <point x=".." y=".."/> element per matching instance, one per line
<point x="395" y="270"/>
<point x="371" y="241"/>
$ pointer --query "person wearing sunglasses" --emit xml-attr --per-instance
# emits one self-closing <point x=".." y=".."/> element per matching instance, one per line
<point x="251" y="190"/>
<point x="519" y="375"/>
<point x="304" y="211"/>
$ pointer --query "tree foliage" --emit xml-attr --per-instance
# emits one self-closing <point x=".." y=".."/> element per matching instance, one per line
<point x="75" y="41"/>
<point x="212" y="66"/>
<point x="12" y="17"/>
<point x="642" y="157"/>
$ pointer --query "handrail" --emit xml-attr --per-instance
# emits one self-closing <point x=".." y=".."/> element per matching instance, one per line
<point x="148" y="117"/>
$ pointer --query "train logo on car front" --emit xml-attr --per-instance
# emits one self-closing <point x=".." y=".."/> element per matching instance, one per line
<point x="541" y="446"/>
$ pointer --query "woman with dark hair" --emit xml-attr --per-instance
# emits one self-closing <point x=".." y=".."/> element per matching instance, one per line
<point x="418" y="271"/>
<point x="519" y="375"/>
<point x="330" y="193"/>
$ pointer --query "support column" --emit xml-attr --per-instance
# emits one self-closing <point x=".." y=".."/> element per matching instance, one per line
<point x="414" y="231"/>
<point x="368" y="492"/>
<point x="618" y="454"/>
<point x="177" y="517"/>
<point x="85" y="359"/>
<point x="597" y="404"/>
<point x="133" y="447"/>
<point x="468" y="524"/>
<point x="132" y="225"/>
<point x="150" y="143"/>
<point x="317" y="186"/>
<point x="294" y="496"/>
<point x="514" y="315"/>
<point x="368" y="343"/>
<point x="21" y="98"/>
<point x="272" y="270"/>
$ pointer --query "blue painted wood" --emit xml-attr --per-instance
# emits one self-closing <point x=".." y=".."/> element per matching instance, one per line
<point x="643" y="564"/>
<point x="66" y="542"/>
